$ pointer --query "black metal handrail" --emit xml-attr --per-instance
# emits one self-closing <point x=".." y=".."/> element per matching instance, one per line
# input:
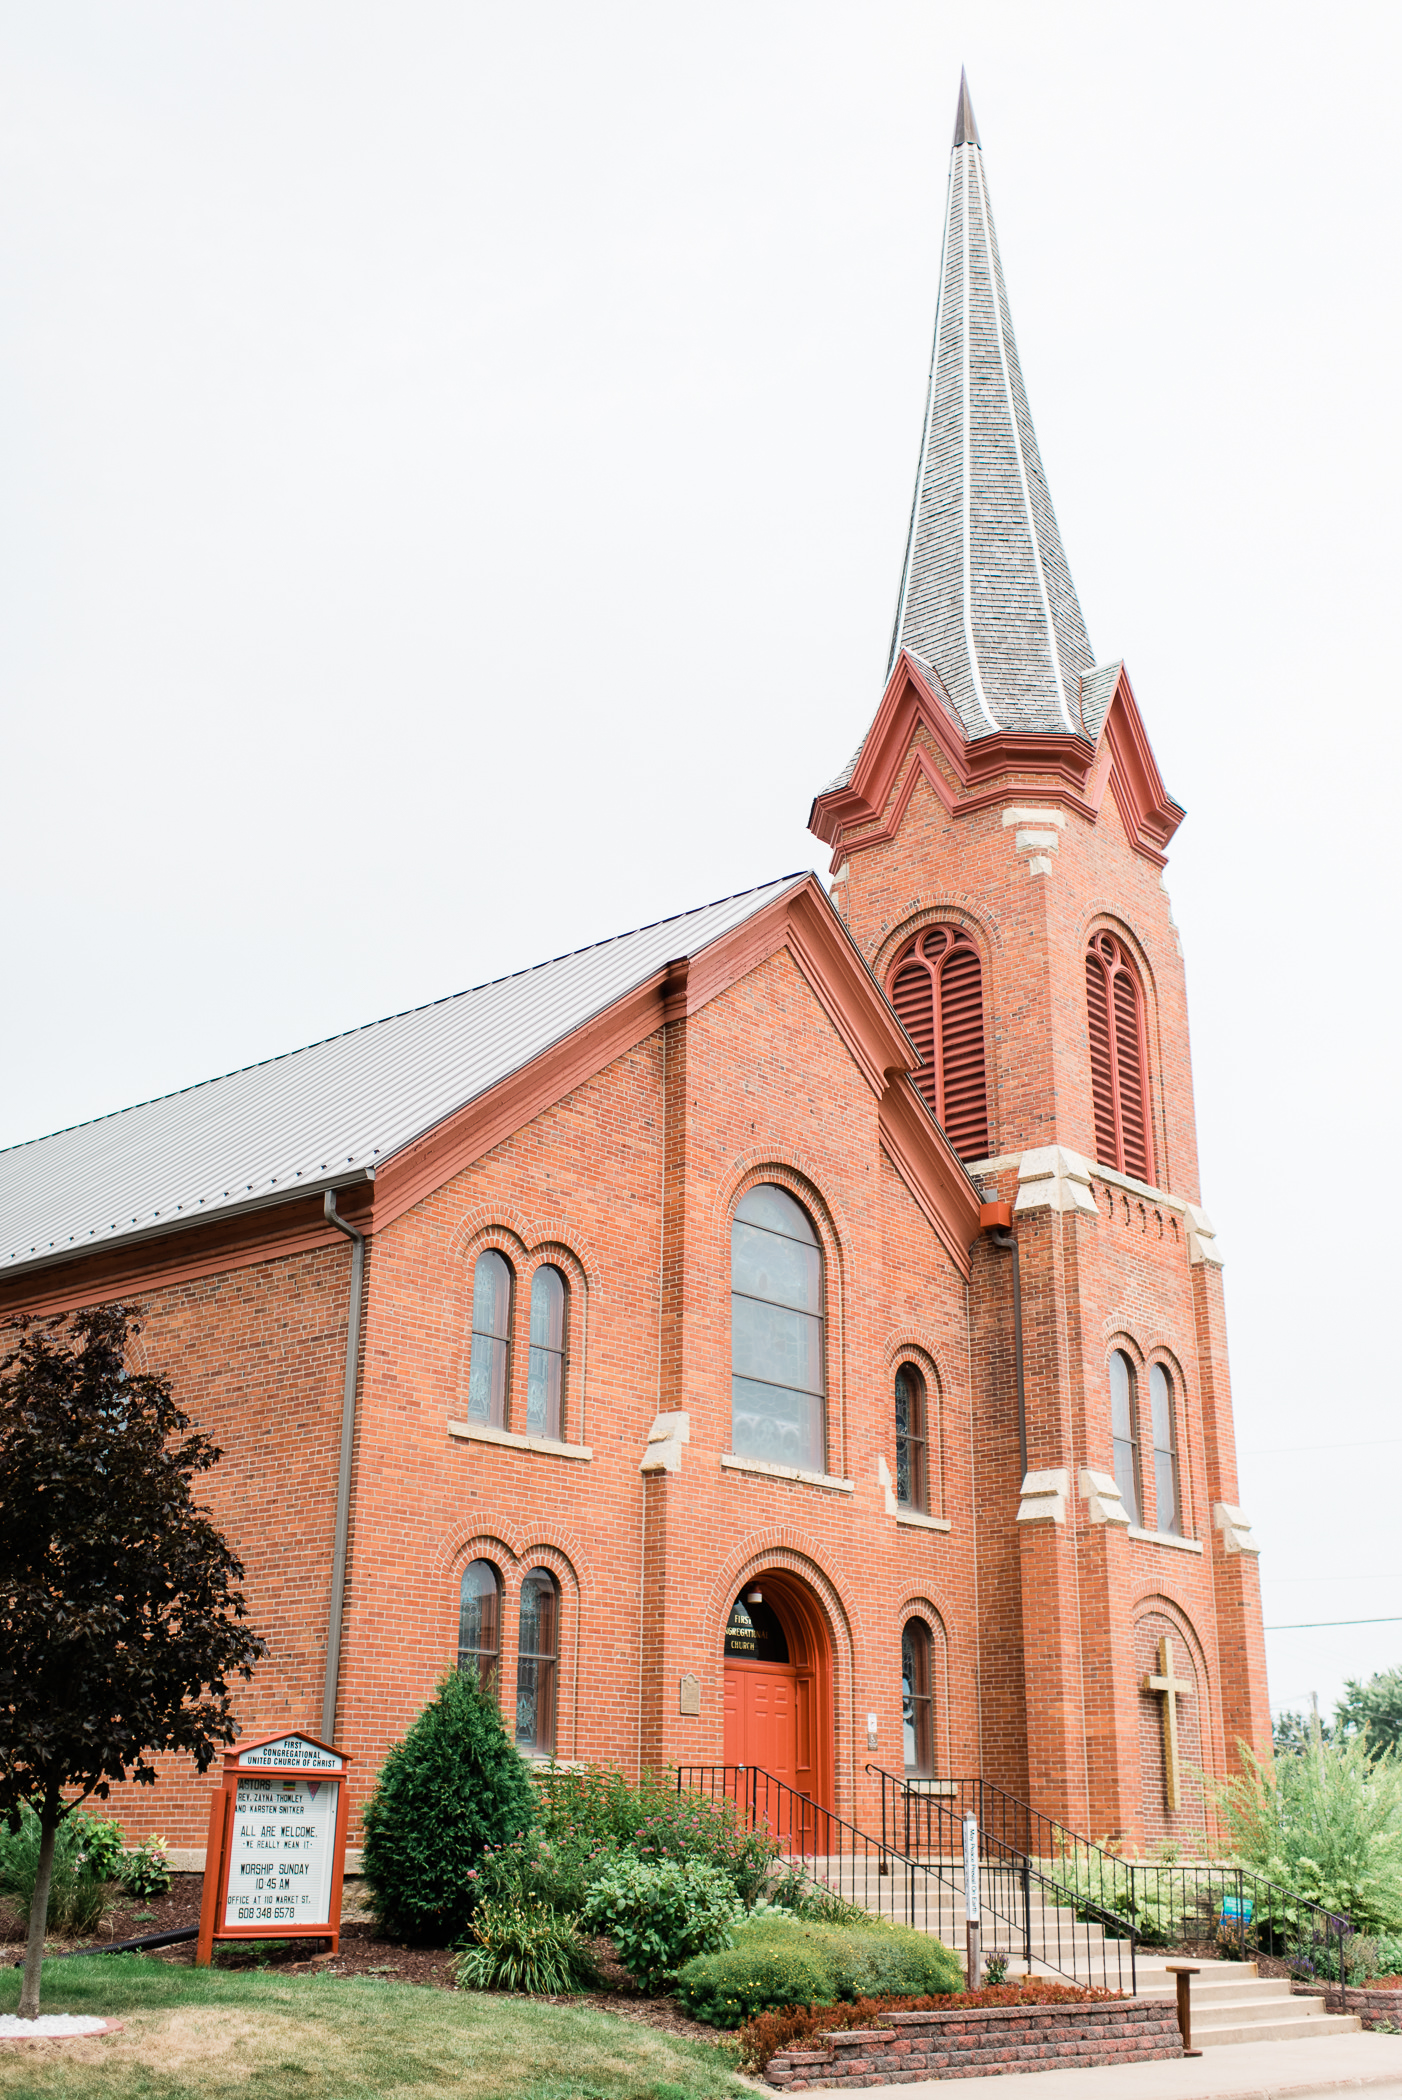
<point x="1198" y="1903"/>
<point x="1024" y="1914"/>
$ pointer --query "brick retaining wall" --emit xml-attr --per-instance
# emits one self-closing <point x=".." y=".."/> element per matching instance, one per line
<point x="986" y="2039"/>
<point x="1371" y="2006"/>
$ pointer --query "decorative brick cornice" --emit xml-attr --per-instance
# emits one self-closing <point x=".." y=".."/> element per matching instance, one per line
<point x="1061" y="767"/>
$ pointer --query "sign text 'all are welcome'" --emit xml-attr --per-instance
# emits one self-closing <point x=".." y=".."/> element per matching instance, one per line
<point x="276" y="1854"/>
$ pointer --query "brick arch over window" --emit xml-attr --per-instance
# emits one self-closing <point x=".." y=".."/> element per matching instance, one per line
<point x="1119" y="1062"/>
<point x="937" y="990"/>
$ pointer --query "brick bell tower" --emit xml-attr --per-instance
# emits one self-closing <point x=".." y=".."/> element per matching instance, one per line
<point x="998" y="843"/>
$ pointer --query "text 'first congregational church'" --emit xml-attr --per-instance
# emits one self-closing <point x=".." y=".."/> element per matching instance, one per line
<point x="669" y="1294"/>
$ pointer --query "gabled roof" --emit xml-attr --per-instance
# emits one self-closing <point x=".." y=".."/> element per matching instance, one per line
<point x="329" y="1115"/>
<point x="986" y="601"/>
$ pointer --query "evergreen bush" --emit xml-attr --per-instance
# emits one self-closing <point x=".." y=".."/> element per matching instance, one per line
<point x="660" y="1913"/>
<point x="777" y="1962"/>
<point x="453" y="1787"/>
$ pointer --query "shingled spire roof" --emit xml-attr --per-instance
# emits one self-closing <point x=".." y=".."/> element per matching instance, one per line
<point x="986" y="597"/>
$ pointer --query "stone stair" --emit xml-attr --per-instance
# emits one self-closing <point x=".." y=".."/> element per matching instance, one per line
<point x="1232" y="2002"/>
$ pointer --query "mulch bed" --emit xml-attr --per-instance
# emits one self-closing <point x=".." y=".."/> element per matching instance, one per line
<point x="362" y="1953"/>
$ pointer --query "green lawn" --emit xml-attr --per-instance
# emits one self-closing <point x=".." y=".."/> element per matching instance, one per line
<point x="199" y="2034"/>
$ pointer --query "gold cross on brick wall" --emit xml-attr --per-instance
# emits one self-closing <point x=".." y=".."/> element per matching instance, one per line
<point x="1171" y="1689"/>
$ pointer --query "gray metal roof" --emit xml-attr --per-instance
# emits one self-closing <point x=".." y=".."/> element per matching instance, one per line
<point x="324" y="1116"/>
<point x="986" y="597"/>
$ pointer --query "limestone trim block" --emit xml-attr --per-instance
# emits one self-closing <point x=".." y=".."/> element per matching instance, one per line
<point x="1165" y="1538"/>
<point x="663" y="1453"/>
<point x="732" y="1462"/>
<point x="1235" y="1527"/>
<point x="1044" y="1497"/>
<point x="1104" y="1503"/>
<point x="915" y="1519"/>
<point x="1202" y="1237"/>
<point x="1051" y="1178"/>
<point x="547" y="1446"/>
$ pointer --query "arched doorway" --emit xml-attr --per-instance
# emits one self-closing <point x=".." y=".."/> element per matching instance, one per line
<point x="778" y="1684"/>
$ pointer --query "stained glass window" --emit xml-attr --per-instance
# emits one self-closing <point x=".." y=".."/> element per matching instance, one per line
<point x="776" y="1330"/>
<point x="491" y="1339"/>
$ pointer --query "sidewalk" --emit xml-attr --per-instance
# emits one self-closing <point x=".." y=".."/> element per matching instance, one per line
<point x="1343" y="2063"/>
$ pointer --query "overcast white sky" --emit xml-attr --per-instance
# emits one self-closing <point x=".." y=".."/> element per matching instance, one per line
<point x="456" y="461"/>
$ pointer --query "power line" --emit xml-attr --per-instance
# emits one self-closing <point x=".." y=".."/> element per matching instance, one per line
<point x="1371" y="1443"/>
<point x="1309" y="1625"/>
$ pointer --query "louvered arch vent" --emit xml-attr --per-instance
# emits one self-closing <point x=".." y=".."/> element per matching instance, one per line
<point x="1119" y="1066"/>
<point x="937" y="990"/>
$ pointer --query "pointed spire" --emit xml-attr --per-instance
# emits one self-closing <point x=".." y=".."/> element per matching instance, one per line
<point x="965" y="129"/>
<point x="986" y="598"/>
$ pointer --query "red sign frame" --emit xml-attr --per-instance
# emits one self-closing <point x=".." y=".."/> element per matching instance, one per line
<point x="219" y="1849"/>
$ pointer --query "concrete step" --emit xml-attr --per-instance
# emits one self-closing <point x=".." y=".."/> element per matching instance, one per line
<point x="1281" y="2030"/>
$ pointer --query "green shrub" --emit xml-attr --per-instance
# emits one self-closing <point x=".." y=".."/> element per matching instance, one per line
<point x="520" y="1947"/>
<point x="454" y="1786"/>
<point x="599" y="1811"/>
<point x="79" y="1891"/>
<point x="1325" y="1824"/>
<point x="146" y="1871"/>
<point x="660" y="1913"/>
<point x="776" y="1962"/>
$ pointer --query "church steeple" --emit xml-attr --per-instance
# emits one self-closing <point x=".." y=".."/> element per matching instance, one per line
<point x="986" y="599"/>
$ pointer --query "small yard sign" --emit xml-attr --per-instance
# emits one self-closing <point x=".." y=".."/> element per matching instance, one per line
<point x="277" y="1844"/>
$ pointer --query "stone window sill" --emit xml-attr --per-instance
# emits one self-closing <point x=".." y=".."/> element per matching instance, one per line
<point x="916" y="1520"/>
<point x="1166" y="1538"/>
<point x="946" y="1789"/>
<point x="735" y="1464"/>
<point x="549" y="1446"/>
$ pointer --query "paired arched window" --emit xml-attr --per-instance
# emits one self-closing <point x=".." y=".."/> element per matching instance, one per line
<point x="489" y="1373"/>
<point x="537" y="1662"/>
<point x="937" y="991"/>
<point x="479" y="1620"/>
<point x="917" y="1699"/>
<point x="1168" y="1515"/>
<point x="1119" y="1073"/>
<point x="776" y="1332"/>
<point x="545" y="1373"/>
<point x="1125" y="1436"/>
<point x="491" y="1339"/>
<point x="912" y="1440"/>
<point x="1124" y="1432"/>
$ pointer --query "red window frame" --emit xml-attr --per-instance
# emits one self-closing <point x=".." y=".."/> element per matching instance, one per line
<point x="1119" y="1059"/>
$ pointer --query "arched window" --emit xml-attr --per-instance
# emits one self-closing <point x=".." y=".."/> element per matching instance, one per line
<point x="537" y="1659"/>
<point x="1124" y="1432"/>
<point x="545" y="1373"/>
<point x="479" y="1620"/>
<point x="776" y="1332"/>
<point x="940" y="974"/>
<point x="917" y="1699"/>
<point x="1118" y="1065"/>
<point x="912" y="1475"/>
<point x="491" y="1339"/>
<point x="1167" y="1514"/>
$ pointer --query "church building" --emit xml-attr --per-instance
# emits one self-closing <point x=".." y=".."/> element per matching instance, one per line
<point x="786" y="1335"/>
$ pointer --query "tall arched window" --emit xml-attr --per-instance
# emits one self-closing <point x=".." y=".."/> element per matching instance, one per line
<point x="479" y="1620"/>
<point x="537" y="1659"/>
<point x="776" y="1332"/>
<point x="917" y="1699"/>
<point x="545" y="1372"/>
<point x="1167" y="1514"/>
<point x="491" y="1339"/>
<point x="1118" y="1064"/>
<point x="912" y="1445"/>
<point x="940" y="974"/>
<point x="1124" y="1433"/>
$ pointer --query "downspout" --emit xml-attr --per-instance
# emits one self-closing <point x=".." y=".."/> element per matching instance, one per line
<point x="995" y="1218"/>
<point x="343" y="1479"/>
